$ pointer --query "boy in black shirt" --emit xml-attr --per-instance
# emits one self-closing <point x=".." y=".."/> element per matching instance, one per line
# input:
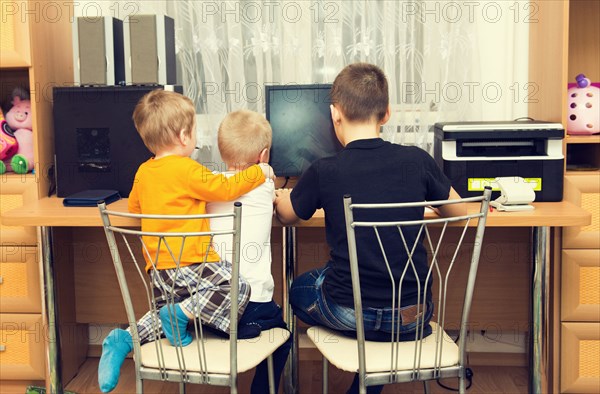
<point x="370" y="170"/>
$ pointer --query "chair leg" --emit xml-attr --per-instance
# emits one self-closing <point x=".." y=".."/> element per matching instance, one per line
<point x="461" y="385"/>
<point x="325" y="374"/>
<point x="139" y="385"/>
<point x="426" y="386"/>
<point x="271" y="374"/>
<point x="181" y="387"/>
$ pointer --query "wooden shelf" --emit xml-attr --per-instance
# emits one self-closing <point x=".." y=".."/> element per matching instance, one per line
<point x="12" y="177"/>
<point x="582" y="172"/>
<point x="583" y="139"/>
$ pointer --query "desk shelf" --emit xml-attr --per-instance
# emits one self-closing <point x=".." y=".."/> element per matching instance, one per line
<point x="583" y="139"/>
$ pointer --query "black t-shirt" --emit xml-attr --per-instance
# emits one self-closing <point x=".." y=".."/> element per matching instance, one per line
<point x="371" y="171"/>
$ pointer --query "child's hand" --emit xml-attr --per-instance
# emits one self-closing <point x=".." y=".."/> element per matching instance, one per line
<point x="283" y="207"/>
<point x="281" y="194"/>
<point x="267" y="170"/>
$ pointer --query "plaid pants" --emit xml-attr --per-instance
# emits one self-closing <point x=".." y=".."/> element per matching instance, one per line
<point x="201" y="289"/>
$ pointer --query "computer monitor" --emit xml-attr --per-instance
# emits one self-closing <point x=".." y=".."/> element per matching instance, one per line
<point x="302" y="128"/>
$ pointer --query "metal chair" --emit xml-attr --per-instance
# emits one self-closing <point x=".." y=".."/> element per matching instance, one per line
<point x="209" y="359"/>
<point x="422" y="359"/>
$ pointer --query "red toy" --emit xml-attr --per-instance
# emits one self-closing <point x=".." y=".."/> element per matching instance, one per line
<point x="8" y="142"/>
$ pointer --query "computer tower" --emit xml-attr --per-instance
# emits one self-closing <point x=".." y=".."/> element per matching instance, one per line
<point x="150" y="48"/>
<point x="98" y="51"/>
<point x="96" y="143"/>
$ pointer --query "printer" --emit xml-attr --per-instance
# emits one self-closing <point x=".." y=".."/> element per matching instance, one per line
<point x="474" y="154"/>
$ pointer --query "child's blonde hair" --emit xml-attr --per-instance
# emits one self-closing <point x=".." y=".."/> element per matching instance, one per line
<point x="242" y="136"/>
<point x="160" y="116"/>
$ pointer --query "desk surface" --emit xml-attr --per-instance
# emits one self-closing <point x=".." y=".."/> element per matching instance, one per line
<point x="50" y="212"/>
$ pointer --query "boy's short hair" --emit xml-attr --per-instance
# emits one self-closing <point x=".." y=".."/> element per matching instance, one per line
<point x="160" y="116"/>
<point x="360" y="91"/>
<point x="242" y="135"/>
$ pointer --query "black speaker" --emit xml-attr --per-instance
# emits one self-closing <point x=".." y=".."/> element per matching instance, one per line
<point x="96" y="143"/>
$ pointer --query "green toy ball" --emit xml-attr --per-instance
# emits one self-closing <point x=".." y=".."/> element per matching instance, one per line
<point x="19" y="164"/>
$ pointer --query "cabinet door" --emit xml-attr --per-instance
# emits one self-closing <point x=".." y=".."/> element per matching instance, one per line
<point x="584" y="191"/>
<point x="580" y="361"/>
<point x="15" y="191"/>
<point x="580" y="285"/>
<point x="14" y="34"/>
<point x="22" y="339"/>
<point x="20" y="290"/>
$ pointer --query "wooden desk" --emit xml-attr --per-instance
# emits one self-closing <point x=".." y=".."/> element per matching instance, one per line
<point x="49" y="213"/>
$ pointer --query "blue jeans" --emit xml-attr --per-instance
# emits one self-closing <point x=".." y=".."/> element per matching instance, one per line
<point x="312" y="305"/>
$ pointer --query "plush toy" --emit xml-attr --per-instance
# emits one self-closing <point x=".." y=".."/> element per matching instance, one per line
<point x="8" y="143"/>
<point x="584" y="107"/>
<point x="19" y="119"/>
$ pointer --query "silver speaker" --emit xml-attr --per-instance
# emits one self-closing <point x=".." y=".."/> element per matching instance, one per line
<point x="150" y="48"/>
<point x="98" y="51"/>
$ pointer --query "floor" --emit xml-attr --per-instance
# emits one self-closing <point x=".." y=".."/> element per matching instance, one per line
<point x="489" y="380"/>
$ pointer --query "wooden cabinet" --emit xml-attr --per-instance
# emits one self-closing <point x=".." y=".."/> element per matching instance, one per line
<point x="564" y="42"/>
<point x="580" y="291"/>
<point x="21" y="353"/>
<point x="580" y="278"/>
<point x="15" y="191"/>
<point x="14" y="36"/>
<point x="22" y="338"/>
<point x="580" y="344"/>
<point x="20" y="289"/>
<point x="583" y="152"/>
<point x="35" y="54"/>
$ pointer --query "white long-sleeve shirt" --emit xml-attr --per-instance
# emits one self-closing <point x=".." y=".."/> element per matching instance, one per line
<point x="255" y="258"/>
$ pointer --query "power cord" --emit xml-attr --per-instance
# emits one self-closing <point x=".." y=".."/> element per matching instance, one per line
<point x="468" y="376"/>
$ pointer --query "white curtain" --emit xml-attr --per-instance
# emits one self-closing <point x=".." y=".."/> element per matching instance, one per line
<point x="228" y="50"/>
<point x="445" y="60"/>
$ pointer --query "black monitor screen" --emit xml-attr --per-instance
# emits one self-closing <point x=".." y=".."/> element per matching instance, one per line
<point x="302" y="127"/>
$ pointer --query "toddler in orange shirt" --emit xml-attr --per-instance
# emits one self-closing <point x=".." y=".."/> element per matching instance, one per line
<point x="171" y="183"/>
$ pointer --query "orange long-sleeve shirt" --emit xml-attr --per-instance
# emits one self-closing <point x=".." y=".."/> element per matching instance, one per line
<point x="176" y="185"/>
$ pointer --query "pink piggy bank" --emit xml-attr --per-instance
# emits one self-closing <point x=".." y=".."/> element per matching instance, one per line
<point x="584" y="108"/>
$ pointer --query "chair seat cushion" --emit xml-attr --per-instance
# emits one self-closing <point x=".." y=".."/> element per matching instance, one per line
<point x="342" y="351"/>
<point x="250" y="352"/>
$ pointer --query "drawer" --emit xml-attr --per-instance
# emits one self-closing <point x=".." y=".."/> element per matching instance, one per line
<point x="583" y="191"/>
<point x="580" y="358"/>
<point x="20" y="289"/>
<point x="22" y="352"/>
<point x="15" y="190"/>
<point x="580" y="285"/>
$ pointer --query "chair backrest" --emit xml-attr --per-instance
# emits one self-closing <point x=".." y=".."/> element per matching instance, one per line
<point x="389" y="227"/>
<point x="131" y="244"/>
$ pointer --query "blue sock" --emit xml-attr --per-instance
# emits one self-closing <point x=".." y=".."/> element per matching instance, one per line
<point x="114" y="350"/>
<point x="177" y="321"/>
